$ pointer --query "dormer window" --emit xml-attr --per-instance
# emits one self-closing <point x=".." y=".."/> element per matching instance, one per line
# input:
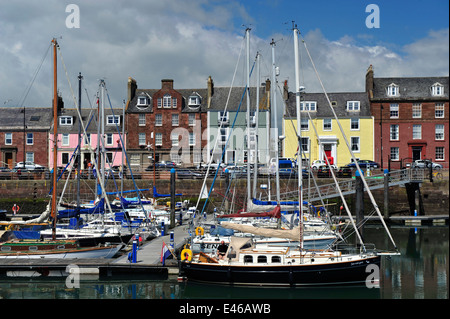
<point x="142" y="101"/>
<point x="194" y="100"/>
<point x="65" y="120"/>
<point x="113" y="120"/>
<point x="392" y="90"/>
<point x="437" y="89"/>
<point x="353" y="106"/>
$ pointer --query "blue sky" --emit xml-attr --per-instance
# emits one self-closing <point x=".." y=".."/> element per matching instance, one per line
<point x="188" y="41"/>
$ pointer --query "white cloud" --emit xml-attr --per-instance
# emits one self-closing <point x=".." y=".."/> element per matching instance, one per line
<point x="183" y="40"/>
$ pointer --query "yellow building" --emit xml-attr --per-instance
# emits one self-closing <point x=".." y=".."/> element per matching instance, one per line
<point x="353" y="112"/>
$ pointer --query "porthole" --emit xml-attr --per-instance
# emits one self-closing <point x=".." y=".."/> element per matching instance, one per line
<point x="6" y="248"/>
<point x="32" y="248"/>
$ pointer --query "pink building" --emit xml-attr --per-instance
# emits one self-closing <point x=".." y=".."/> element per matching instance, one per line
<point x="68" y="128"/>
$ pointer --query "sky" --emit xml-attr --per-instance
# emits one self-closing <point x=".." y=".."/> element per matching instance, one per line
<point x="188" y="41"/>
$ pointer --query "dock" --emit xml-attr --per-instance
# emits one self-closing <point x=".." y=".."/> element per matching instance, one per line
<point x="403" y="219"/>
<point x="148" y="261"/>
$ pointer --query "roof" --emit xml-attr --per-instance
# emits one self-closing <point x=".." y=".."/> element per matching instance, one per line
<point x="36" y="118"/>
<point x="410" y="88"/>
<point x="234" y="98"/>
<point x="89" y="121"/>
<point x="185" y="108"/>
<point x="323" y="108"/>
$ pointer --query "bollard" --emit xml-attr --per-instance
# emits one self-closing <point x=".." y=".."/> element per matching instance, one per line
<point x="134" y="252"/>
<point x="137" y="241"/>
<point x="172" y="240"/>
<point x="163" y="233"/>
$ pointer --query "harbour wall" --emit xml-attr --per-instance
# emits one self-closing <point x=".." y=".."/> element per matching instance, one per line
<point x="33" y="195"/>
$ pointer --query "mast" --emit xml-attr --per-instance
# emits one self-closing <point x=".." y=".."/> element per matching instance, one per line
<point x="79" y="143"/>
<point x="300" y="149"/>
<point x="55" y="139"/>
<point x="255" y="167"/>
<point x="249" y="196"/>
<point x="275" y="129"/>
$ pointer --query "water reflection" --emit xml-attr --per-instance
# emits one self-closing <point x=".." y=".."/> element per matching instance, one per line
<point x="421" y="272"/>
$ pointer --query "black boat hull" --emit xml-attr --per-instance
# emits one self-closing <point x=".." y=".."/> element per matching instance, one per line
<point x="339" y="273"/>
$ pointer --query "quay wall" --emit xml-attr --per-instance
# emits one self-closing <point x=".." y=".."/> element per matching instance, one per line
<point x="32" y="195"/>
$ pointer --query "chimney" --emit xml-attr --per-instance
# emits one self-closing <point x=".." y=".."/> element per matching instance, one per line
<point x="131" y="89"/>
<point x="369" y="81"/>
<point x="167" y="84"/>
<point x="210" y="85"/>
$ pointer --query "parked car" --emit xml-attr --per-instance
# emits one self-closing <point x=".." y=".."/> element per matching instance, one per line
<point x="426" y="164"/>
<point x="364" y="164"/>
<point x="188" y="174"/>
<point x="345" y="171"/>
<point x="323" y="171"/>
<point x="30" y="166"/>
<point x="318" y="163"/>
<point x="161" y="165"/>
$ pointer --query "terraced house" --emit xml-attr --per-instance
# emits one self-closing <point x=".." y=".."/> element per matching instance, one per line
<point x="165" y="124"/>
<point x="353" y="112"/>
<point x="411" y="118"/>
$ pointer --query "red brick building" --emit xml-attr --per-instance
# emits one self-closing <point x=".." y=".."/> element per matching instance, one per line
<point x="411" y="119"/>
<point x="24" y="135"/>
<point x="165" y="123"/>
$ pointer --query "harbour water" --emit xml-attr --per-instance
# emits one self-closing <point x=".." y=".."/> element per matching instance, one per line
<point x="420" y="272"/>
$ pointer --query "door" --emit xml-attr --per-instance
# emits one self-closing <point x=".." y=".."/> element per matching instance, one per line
<point x="416" y="153"/>
<point x="328" y="153"/>
<point x="9" y="159"/>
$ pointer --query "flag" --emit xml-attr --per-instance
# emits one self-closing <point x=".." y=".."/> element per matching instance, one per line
<point x="165" y="253"/>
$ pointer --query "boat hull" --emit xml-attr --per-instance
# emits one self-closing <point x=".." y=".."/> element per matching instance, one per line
<point x="337" y="273"/>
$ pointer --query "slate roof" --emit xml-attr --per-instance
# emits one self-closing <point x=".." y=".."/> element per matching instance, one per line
<point x="323" y="108"/>
<point x="220" y="97"/>
<point x="36" y="118"/>
<point x="410" y="88"/>
<point x="185" y="108"/>
<point x="85" y="114"/>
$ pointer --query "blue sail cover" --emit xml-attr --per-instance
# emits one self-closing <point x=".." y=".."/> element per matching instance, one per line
<point x="155" y="193"/>
<point x="99" y="208"/>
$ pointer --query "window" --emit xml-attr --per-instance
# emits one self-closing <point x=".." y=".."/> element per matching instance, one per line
<point x="327" y="124"/>
<point x="191" y="138"/>
<point x="65" y="140"/>
<point x="8" y="138"/>
<point x="392" y="90"/>
<point x="223" y="136"/>
<point x="113" y="120"/>
<point x="174" y="102"/>
<point x="29" y="157"/>
<point x="248" y="259"/>
<point x="194" y="100"/>
<point x="276" y="259"/>
<point x="417" y="110"/>
<point x="109" y="157"/>
<point x="87" y="140"/>
<point x="440" y="153"/>
<point x="305" y="144"/>
<point x="141" y="119"/>
<point x="353" y="106"/>
<point x="394" y="132"/>
<point x="167" y="101"/>
<point x="65" y="120"/>
<point x="417" y="131"/>
<point x="175" y="120"/>
<point x="437" y="89"/>
<point x="159" y="103"/>
<point x="30" y="138"/>
<point x="158" y="119"/>
<point x="174" y="138"/>
<point x="158" y="139"/>
<point x="355" y="143"/>
<point x="439" y="131"/>
<point x="191" y="119"/>
<point x="142" y="101"/>
<point x="262" y="259"/>
<point x="223" y="117"/>
<point x="109" y="139"/>
<point x="439" y="110"/>
<point x="394" y="110"/>
<point x="308" y="106"/>
<point x="354" y="124"/>
<point x="304" y="124"/>
<point x="395" y="153"/>
<point x="142" y="139"/>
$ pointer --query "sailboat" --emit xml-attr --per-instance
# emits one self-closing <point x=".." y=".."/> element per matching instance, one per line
<point x="246" y="263"/>
<point x="54" y="248"/>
